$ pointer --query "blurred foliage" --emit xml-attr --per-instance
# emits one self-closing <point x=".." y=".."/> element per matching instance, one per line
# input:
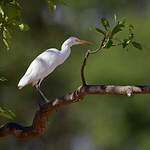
<point x="99" y="122"/>
<point x="3" y="79"/>
<point x="52" y="5"/>
<point x="6" y="112"/>
<point x="10" y="19"/>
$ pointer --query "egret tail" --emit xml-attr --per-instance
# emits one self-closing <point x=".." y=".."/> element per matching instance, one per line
<point x="23" y="82"/>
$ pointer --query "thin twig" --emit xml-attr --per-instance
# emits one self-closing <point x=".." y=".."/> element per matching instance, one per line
<point x="85" y="60"/>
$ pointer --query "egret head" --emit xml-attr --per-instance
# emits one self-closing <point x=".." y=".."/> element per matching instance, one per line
<point x="74" y="41"/>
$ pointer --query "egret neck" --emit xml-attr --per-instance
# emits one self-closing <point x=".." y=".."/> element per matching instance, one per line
<point x="65" y="50"/>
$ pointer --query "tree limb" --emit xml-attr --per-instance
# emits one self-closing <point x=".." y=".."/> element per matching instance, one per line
<point x="39" y="121"/>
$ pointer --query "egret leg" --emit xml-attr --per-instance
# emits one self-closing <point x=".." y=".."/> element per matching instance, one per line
<point x="41" y="93"/>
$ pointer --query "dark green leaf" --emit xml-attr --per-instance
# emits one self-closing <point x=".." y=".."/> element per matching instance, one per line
<point x="105" y="23"/>
<point x="5" y="112"/>
<point x="125" y="43"/>
<point x="52" y="6"/>
<point x="123" y="21"/>
<point x="20" y="25"/>
<point x="98" y="30"/>
<point x="6" y="44"/>
<point x="137" y="45"/>
<point x="1" y="12"/>
<point x="7" y="38"/>
<point x="130" y="26"/>
<point x="23" y="27"/>
<point x="6" y="34"/>
<point x="13" y="12"/>
<point x="108" y="43"/>
<point x="1" y="19"/>
<point x="5" y="2"/>
<point x="15" y="5"/>
<point x="61" y="2"/>
<point x="117" y="29"/>
<point x="3" y="79"/>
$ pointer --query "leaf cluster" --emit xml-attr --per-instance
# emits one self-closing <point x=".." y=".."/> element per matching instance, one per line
<point x="52" y="5"/>
<point x="110" y="34"/>
<point x="10" y="19"/>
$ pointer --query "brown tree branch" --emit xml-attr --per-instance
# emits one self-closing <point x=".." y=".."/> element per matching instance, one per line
<point x="39" y="121"/>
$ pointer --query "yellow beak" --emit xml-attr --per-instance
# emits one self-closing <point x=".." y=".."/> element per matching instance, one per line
<point x="82" y="42"/>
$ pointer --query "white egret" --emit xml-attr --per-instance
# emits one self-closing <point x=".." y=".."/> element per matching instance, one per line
<point x="45" y="63"/>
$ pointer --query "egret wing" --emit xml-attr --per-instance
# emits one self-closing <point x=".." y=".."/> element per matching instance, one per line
<point x="44" y="64"/>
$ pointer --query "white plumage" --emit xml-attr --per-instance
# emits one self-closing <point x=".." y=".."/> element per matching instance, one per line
<point x="41" y="66"/>
<point x="46" y="62"/>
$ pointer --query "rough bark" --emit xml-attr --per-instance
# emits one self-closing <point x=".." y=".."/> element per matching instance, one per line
<point x="39" y="122"/>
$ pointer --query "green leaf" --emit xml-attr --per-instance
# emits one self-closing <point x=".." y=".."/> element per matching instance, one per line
<point x="6" y="34"/>
<point x="23" y="27"/>
<point x="20" y="25"/>
<point x="6" y="38"/>
<point x="6" y="44"/>
<point x="123" y="21"/>
<point x="108" y="43"/>
<point x="117" y="29"/>
<point x="5" y="112"/>
<point x="125" y="43"/>
<point x="98" y="30"/>
<point x="115" y="18"/>
<point x="137" y="45"/>
<point x="5" y="2"/>
<point x="13" y="12"/>
<point x="130" y="26"/>
<point x="105" y="24"/>
<point x="15" y="4"/>
<point x="52" y="6"/>
<point x="61" y="2"/>
<point x="1" y="12"/>
<point x="3" y="79"/>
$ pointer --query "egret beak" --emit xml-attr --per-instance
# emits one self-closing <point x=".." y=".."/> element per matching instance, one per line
<point x="82" y="42"/>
